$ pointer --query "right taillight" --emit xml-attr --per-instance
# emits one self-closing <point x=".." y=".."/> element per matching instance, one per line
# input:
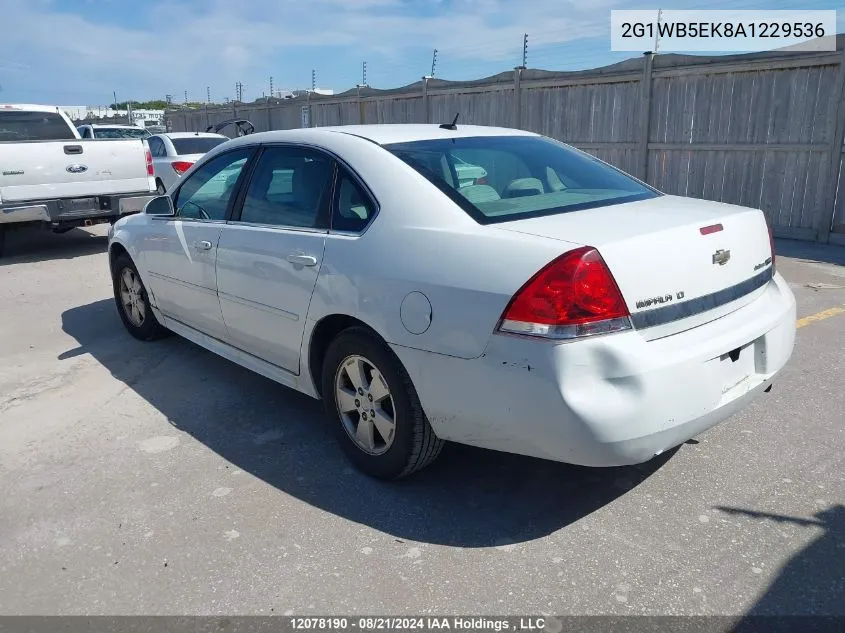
<point x="181" y="166"/>
<point x="574" y="295"/>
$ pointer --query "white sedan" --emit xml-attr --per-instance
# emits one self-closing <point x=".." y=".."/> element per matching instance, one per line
<point x="174" y="153"/>
<point x="563" y="310"/>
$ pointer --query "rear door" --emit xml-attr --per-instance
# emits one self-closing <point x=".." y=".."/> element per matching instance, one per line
<point x="269" y="255"/>
<point x="180" y="252"/>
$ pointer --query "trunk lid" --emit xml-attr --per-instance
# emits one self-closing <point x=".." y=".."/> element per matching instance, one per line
<point x="671" y="275"/>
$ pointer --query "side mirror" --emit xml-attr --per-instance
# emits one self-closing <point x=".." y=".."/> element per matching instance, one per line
<point x="160" y="205"/>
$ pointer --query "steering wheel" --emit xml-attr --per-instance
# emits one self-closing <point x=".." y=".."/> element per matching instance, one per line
<point x="203" y="214"/>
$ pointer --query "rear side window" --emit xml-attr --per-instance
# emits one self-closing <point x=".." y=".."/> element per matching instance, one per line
<point x="501" y="178"/>
<point x="33" y="126"/>
<point x="353" y="209"/>
<point x="289" y="189"/>
<point x="198" y="145"/>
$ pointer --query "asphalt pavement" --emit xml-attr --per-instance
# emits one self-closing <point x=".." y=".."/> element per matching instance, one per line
<point x="158" y="479"/>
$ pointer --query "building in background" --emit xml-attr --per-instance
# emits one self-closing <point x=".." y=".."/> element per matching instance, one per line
<point x="142" y="118"/>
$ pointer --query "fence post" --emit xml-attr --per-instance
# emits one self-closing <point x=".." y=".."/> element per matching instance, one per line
<point x="426" y="112"/>
<point x="836" y="137"/>
<point x="517" y="96"/>
<point x="645" y="115"/>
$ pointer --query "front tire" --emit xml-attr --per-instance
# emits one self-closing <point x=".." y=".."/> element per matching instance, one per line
<point x="133" y="302"/>
<point x="375" y="410"/>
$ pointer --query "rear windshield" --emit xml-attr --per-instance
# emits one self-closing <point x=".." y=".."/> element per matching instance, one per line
<point x="120" y="132"/>
<point x="196" y="145"/>
<point x="33" y="126"/>
<point x="501" y="178"/>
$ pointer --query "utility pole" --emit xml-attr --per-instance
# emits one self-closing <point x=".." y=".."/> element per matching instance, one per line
<point x="271" y="86"/>
<point x="186" y="98"/>
<point x="115" y="99"/>
<point x="313" y="80"/>
<point x="433" y="62"/>
<point x="208" y="94"/>
<point x="525" y="51"/>
<point x="657" y="31"/>
<point x="364" y="74"/>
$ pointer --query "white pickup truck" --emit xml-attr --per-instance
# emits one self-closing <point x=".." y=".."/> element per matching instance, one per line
<point x="49" y="176"/>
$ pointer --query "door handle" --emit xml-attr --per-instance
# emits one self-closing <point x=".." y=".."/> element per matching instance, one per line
<point x="302" y="260"/>
<point x="204" y="245"/>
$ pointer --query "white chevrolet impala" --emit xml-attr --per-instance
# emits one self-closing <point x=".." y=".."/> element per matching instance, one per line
<point x="555" y="307"/>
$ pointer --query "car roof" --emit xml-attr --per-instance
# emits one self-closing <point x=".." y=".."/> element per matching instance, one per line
<point x="191" y="135"/>
<point x="30" y="107"/>
<point x="391" y="132"/>
<point x="115" y="126"/>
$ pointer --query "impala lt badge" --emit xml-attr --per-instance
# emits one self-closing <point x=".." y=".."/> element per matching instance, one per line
<point x="76" y="168"/>
<point x="721" y="257"/>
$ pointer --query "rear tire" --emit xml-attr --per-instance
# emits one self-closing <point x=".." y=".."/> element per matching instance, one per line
<point x="133" y="302"/>
<point x="362" y="377"/>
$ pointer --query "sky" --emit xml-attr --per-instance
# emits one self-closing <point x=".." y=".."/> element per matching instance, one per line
<point x="78" y="52"/>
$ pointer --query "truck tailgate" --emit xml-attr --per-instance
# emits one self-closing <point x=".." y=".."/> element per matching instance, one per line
<point x="42" y="170"/>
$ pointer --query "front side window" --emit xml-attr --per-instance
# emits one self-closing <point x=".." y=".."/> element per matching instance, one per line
<point x="502" y="178"/>
<point x="17" y="125"/>
<point x="353" y="209"/>
<point x="206" y="194"/>
<point x="289" y="188"/>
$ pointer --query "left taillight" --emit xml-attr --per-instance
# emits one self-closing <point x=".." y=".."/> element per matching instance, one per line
<point x="573" y="296"/>
<point x="149" y="158"/>
<point x="181" y="166"/>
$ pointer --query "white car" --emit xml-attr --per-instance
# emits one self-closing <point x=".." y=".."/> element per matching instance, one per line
<point x="100" y="131"/>
<point x="565" y="310"/>
<point x="174" y="153"/>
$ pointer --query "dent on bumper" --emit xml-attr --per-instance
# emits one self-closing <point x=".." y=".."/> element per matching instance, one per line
<point x="608" y="401"/>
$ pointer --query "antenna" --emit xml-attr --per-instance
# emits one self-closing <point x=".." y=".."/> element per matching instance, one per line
<point x="433" y="62"/>
<point x="453" y="125"/>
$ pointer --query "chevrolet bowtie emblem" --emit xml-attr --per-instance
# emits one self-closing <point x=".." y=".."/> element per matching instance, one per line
<point x="721" y="257"/>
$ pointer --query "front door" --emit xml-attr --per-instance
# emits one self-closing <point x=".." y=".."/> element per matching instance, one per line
<point x="269" y="255"/>
<point x="181" y="251"/>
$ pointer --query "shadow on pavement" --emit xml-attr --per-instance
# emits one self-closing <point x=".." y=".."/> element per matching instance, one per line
<point x="468" y="497"/>
<point x="34" y="244"/>
<point x="811" y="251"/>
<point x="812" y="582"/>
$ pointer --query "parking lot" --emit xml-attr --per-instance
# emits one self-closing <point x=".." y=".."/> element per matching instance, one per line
<point x="161" y="479"/>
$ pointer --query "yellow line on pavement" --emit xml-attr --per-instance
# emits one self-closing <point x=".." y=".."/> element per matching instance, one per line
<point x="819" y="316"/>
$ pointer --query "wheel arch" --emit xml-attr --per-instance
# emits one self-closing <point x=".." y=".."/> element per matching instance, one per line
<point x="322" y="334"/>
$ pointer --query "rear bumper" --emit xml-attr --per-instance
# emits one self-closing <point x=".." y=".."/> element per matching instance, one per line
<point x="67" y="211"/>
<point x="612" y="400"/>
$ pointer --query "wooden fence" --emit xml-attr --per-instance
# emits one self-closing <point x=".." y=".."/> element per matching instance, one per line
<point x="765" y="130"/>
